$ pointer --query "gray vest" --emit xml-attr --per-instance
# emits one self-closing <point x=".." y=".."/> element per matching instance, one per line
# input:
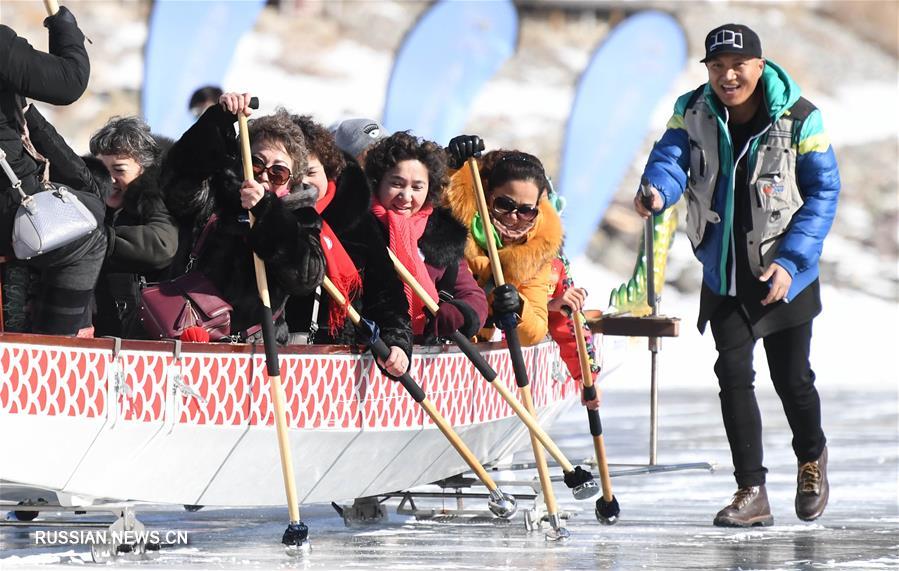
<point x="776" y="196"/>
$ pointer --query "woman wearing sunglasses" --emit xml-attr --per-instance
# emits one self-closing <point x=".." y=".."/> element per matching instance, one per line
<point x="408" y="177"/>
<point x="357" y="261"/>
<point x="528" y="232"/>
<point x="203" y="176"/>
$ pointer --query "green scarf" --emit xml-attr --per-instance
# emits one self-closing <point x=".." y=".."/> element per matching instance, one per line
<point x="477" y="232"/>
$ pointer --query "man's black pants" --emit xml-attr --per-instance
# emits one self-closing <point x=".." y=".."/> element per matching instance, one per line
<point x="787" y="352"/>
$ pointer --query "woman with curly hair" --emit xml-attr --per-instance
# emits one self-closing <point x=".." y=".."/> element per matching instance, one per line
<point x="357" y="260"/>
<point x="408" y="178"/>
<point x="203" y="179"/>
<point x="142" y="237"/>
<point x="527" y="232"/>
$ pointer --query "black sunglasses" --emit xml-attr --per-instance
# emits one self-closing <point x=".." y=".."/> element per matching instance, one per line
<point x="505" y="206"/>
<point x="277" y="174"/>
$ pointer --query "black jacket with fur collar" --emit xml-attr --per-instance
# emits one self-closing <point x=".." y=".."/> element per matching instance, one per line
<point x="202" y="177"/>
<point x="142" y="239"/>
<point x="382" y="300"/>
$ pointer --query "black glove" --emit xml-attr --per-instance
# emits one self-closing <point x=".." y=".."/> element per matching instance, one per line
<point x="462" y="148"/>
<point x="64" y="16"/>
<point x="506" y="300"/>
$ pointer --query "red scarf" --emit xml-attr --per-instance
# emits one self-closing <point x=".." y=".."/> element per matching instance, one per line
<point x="404" y="234"/>
<point x="340" y="268"/>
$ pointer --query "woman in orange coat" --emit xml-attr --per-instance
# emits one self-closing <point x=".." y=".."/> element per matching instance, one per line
<point x="528" y="229"/>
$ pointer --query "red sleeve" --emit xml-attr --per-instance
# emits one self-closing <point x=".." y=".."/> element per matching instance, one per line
<point x="561" y="329"/>
<point x="469" y="292"/>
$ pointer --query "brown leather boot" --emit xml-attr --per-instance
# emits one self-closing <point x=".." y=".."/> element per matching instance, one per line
<point x="748" y="507"/>
<point x="812" y="488"/>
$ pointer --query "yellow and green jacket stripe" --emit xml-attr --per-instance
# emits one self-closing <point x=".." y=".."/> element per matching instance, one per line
<point x="793" y="179"/>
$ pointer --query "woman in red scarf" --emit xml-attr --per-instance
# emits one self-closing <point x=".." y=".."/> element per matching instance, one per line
<point x="408" y="176"/>
<point x="355" y="254"/>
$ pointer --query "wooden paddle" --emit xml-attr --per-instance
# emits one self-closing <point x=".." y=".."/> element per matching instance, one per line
<point x="501" y="504"/>
<point x="296" y="535"/>
<point x="526" y="416"/>
<point x="607" y="508"/>
<point x="52" y="7"/>
<point x="579" y="480"/>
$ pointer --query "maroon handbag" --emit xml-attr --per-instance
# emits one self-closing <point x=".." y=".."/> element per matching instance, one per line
<point x="170" y="307"/>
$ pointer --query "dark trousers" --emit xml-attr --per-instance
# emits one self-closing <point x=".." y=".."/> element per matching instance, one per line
<point x="787" y="352"/>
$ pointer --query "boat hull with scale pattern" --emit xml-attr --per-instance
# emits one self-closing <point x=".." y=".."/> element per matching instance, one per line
<point x="166" y="422"/>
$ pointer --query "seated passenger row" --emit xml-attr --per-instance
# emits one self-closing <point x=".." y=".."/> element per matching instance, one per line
<point x="319" y="212"/>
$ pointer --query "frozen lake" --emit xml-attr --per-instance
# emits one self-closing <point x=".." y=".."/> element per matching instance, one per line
<point x="665" y="518"/>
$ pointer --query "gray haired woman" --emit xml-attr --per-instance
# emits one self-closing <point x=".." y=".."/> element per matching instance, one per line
<point x="142" y="236"/>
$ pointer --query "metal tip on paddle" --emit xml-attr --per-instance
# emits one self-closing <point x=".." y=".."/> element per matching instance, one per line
<point x="561" y="534"/>
<point x="585" y="490"/>
<point x="296" y="538"/>
<point x="502" y="504"/>
<point x="581" y="483"/>
<point x="556" y="532"/>
<point x="607" y="512"/>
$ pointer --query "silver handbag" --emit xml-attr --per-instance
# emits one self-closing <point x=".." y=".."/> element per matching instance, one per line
<point x="48" y="219"/>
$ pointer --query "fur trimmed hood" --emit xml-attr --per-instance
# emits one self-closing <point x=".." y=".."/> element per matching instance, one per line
<point x="521" y="262"/>
<point x="443" y="241"/>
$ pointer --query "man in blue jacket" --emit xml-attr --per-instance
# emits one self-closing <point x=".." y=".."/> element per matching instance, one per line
<point x="760" y="181"/>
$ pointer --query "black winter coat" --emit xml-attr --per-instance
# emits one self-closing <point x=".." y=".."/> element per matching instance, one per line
<point x="382" y="300"/>
<point x="58" y="77"/>
<point x="142" y="239"/>
<point x="201" y="177"/>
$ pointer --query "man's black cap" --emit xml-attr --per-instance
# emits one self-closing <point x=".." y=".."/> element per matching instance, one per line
<point x="732" y="39"/>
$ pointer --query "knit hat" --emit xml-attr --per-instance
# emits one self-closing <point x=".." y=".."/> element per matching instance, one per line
<point x="354" y="136"/>
<point x="732" y="39"/>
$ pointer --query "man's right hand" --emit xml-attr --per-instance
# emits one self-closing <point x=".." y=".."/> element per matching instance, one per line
<point x="656" y="203"/>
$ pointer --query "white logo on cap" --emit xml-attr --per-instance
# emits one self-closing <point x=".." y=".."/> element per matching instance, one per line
<point x="372" y="130"/>
<point x="726" y="38"/>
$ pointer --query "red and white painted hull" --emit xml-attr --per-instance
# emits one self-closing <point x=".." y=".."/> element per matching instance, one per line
<point x="142" y="422"/>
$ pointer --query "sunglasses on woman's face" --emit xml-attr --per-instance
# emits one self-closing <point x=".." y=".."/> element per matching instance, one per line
<point x="277" y="174"/>
<point x="506" y="206"/>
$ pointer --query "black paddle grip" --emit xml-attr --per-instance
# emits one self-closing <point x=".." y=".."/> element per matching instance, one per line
<point x="595" y="423"/>
<point x="468" y="348"/>
<point x="380" y="350"/>
<point x="271" y="345"/>
<point x="514" y="343"/>
<point x="593" y="415"/>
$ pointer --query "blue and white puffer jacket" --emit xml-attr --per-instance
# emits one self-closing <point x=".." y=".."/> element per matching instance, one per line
<point x="793" y="178"/>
